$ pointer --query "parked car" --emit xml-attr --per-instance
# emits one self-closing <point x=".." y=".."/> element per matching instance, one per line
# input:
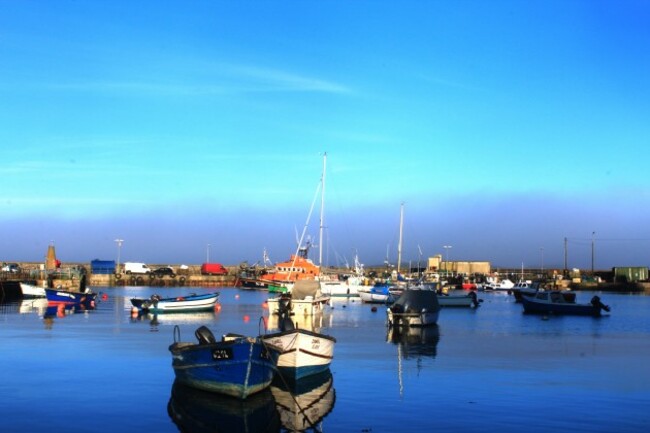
<point x="164" y="270"/>
<point x="10" y="267"/>
<point x="213" y="269"/>
<point x="136" y="268"/>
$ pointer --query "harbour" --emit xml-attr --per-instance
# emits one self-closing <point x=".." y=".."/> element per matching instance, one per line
<point x="492" y="368"/>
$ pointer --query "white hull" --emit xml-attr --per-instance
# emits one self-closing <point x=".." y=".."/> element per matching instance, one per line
<point x="339" y="289"/>
<point x="455" y="301"/>
<point x="306" y="307"/>
<point x="32" y="291"/>
<point x="374" y="298"/>
<point x="300" y="349"/>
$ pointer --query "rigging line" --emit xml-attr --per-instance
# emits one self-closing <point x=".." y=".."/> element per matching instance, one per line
<point x="304" y="229"/>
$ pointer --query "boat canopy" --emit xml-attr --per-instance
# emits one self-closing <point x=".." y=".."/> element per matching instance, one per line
<point x="417" y="300"/>
<point x="304" y="288"/>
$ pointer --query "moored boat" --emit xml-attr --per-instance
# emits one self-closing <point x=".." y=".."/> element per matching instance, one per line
<point x="237" y="366"/>
<point x="553" y="303"/>
<point x="414" y="308"/>
<point x="305" y="299"/>
<point x="377" y="294"/>
<point x="60" y="296"/>
<point x="188" y="303"/>
<point x="463" y="300"/>
<point x="303" y="352"/>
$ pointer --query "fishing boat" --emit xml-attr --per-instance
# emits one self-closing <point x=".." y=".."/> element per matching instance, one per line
<point x="31" y="290"/>
<point x="469" y="300"/>
<point x="284" y="274"/>
<point x="237" y="366"/>
<point x="414" y="308"/>
<point x="189" y="303"/>
<point x="553" y="303"/>
<point x="377" y="294"/>
<point x="305" y="299"/>
<point x="304" y="404"/>
<point x="303" y="352"/>
<point x="194" y="410"/>
<point x="60" y="296"/>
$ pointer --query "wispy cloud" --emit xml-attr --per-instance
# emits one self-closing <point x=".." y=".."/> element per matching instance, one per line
<point x="221" y="79"/>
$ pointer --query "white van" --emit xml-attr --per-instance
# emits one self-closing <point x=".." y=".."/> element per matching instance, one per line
<point x="136" y="268"/>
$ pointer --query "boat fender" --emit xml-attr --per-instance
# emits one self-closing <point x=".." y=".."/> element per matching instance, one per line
<point x="204" y="335"/>
<point x="118" y="276"/>
<point x="180" y="298"/>
<point x="181" y="281"/>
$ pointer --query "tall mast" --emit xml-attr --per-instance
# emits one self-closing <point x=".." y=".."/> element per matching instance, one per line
<point x="322" y="212"/>
<point x="399" y="246"/>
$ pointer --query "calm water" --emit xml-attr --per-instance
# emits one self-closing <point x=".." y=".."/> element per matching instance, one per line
<point x="493" y="369"/>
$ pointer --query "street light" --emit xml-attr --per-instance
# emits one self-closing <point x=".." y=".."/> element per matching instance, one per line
<point x="447" y="248"/>
<point x="542" y="253"/>
<point x="207" y="254"/>
<point x="119" y="246"/>
<point x="592" y="252"/>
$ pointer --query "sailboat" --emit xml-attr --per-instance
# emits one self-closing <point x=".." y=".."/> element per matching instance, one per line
<point x="304" y="289"/>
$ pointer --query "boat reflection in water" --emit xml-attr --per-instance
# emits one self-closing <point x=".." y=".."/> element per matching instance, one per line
<point x="37" y="305"/>
<point x="415" y="341"/>
<point x="193" y="410"/>
<point x="304" y="403"/>
<point x="155" y="319"/>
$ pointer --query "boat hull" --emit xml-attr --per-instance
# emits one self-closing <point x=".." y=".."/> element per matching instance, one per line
<point x="185" y="304"/>
<point x="302" y="353"/>
<point x="238" y="368"/>
<point x="424" y="318"/>
<point x="306" y="307"/>
<point x="66" y="297"/>
<point x="533" y="306"/>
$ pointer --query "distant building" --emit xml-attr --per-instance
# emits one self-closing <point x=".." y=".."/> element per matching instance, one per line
<point x="436" y="264"/>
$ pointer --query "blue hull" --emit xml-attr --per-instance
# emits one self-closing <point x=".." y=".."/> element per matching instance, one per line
<point x="67" y="297"/>
<point x="238" y="368"/>
<point x="533" y="307"/>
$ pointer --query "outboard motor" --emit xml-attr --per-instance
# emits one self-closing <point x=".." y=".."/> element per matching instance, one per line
<point x="204" y="335"/>
<point x="475" y="301"/>
<point x="595" y="301"/>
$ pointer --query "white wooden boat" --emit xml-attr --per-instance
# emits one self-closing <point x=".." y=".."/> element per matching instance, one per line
<point x="189" y="303"/>
<point x="304" y="350"/>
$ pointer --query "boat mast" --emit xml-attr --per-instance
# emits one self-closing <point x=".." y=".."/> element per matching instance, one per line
<point x="399" y="246"/>
<point x="322" y="212"/>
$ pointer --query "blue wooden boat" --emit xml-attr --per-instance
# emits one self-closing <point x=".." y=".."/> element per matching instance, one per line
<point x="238" y="366"/>
<point x="553" y="303"/>
<point x="189" y="303"/>
<point x="58" y="296"/>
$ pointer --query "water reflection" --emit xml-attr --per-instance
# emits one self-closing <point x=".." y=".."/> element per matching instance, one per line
<point x="415" y="341"/>
<point x="155" y="320"/>
<point x="37" y="306"/>
<point x="193" y="410"/>
<point x="314" y="323"/>
<point x="303" y="404"/>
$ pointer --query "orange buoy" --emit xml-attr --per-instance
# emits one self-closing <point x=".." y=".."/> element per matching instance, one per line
<point x="104" y="297"/>
<point x="247" y="318"/>
<point x="265" y="305"/>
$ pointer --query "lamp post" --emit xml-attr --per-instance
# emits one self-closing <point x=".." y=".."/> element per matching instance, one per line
<point x="207" y="254"/>
<point x="541" y="250"/>
<point x="593" y="234"/>
<point x="447" y="248"/>
<point x="119" y="247"/>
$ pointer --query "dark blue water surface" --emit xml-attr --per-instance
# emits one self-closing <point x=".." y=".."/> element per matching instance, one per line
<point x="493" y="369"/>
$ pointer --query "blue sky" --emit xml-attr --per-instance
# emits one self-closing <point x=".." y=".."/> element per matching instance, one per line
<point x="504" y="126"/>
